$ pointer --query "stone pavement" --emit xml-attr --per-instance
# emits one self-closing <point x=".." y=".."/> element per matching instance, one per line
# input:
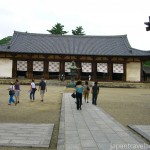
<point x="93" y="129"/>
<point x="28" y="135"/>
<point x="143" y="130"/>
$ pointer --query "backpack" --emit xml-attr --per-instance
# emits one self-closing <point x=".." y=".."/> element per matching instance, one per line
<point x="88" y="88"/>
<point x="11" y="92"/>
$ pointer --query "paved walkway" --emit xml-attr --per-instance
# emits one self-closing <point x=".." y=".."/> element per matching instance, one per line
<point x="92" y="129"/>
<point x="143" y="130"/>
<point x="28" y="135"/>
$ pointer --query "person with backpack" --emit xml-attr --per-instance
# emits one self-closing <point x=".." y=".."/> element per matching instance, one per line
<point x="11" y="94"/>
<point x="86" y="91"/>
<point x="42" y="88"/>
<point x="95" y="92"/>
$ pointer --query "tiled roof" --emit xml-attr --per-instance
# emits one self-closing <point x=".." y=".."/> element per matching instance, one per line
<point x="71" y="45"/>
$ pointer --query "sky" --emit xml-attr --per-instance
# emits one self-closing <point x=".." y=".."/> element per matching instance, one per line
<point x="97" y="17"/>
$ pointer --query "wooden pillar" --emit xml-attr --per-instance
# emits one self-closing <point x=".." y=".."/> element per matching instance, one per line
<point x="14" y="68"/>
<point x="62" y="67"/>
<point x="78" y="63"/>
<point x="124" y="72"/>
<point x="142" y="74"/>
<point x="94" y="71"/>
<point x="46" y="67"/>
<point x="29" y="69"/>
<point x="110" y="71"/>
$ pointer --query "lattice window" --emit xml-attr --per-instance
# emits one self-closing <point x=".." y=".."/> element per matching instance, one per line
<point x="67" y="66"/>
<point x="86" y="67"/>
<point x="102" y="67"/>
<point x="54" y="66"/>
<point x="118" y="68"/>
<point x="38" y="65"/>
<point x="21" y="65"/>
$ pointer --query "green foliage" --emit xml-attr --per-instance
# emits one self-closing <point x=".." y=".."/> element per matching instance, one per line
<point x="78" y="31"/>
<point x="147" y="63"/>
<point x="5" y="40"/>
<point x="57" y="29"/>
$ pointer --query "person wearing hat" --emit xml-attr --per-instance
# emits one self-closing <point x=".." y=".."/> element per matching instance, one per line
<point x="95" y="92"/>
<point x="11" y="94"/>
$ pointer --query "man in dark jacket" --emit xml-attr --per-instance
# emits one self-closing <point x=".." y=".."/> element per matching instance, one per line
<point x="95" y="92"/>
<point x="42" y="88"/>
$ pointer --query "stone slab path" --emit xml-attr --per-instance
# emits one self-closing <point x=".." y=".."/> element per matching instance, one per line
<point x="28" y="135"/>
<point x="92" y="129"/>
<point x="143" y="130"/>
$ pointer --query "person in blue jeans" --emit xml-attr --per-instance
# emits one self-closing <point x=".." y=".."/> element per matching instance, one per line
<point x="79" y="90"/>
<point x="32" y="90"/>
<point x="11" y="94"/>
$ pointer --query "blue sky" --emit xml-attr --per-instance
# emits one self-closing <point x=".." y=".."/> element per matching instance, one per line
<point x="97" y="17"/>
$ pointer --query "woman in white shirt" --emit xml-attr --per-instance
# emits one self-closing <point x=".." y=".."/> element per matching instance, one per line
<point x="33" y="89"/>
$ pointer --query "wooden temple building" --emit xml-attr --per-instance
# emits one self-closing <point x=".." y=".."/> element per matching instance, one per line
<point x="105" y="58"/>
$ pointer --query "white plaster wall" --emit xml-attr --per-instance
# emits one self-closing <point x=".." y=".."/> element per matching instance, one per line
<point x="5" y="68"/>
<point x="133" y="71"/>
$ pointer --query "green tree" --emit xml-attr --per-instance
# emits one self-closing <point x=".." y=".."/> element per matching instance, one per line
<point x="147" y="63"/>
<point x="57" y="29"/>
<point x="5" y="40"/>
<point x="78" y="31"/>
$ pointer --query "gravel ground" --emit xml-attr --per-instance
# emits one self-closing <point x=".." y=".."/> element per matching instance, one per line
<point x="128" y="106"/>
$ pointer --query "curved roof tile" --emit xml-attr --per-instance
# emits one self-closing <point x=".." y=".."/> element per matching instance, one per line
<point x="23" y="42"/>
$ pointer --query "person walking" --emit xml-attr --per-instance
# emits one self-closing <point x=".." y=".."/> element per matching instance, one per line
<point x="79" y="91"/>
<point x="42" y="88"/>
<point x="17" y="90"/>
<point x="86" y="91"/>
<point x="11" y="94"/>
<point x="95" y="92"/>
<point x="32" y="90"/>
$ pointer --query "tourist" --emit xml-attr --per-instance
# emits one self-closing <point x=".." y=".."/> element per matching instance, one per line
<point x="42" y="88"/>
<point x="95" y="92"/>
<point x="86" y="91"/>
<point x="32" y="91"/>
<point x="79" y="91"/>
<point x="89" y="77"/>
<point x="17" y="90"/>
<point x="11" y="94"/>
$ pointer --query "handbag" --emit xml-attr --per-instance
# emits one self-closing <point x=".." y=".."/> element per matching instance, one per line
<point x="73" y="95"/>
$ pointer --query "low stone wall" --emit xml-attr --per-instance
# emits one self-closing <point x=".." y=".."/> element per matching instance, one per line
<point x="66" y="82"/>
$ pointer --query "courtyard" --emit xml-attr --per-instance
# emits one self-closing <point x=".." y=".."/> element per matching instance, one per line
<point x="126" y="105"/>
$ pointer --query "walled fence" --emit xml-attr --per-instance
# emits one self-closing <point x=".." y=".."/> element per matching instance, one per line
<point x="67" y="82"/>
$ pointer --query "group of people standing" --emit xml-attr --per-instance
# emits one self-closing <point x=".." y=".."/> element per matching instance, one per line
<point x="84" y="91"/>
<point x="14" y="90"/>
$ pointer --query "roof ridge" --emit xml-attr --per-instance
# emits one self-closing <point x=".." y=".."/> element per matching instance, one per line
<point x="66" y="35"/>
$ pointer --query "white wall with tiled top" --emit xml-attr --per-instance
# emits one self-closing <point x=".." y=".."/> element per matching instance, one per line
<point x="5" y="68"/>
<point x="133" y="71"/>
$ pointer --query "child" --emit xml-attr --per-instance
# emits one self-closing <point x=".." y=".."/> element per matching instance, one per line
<point x="11" y="94"/>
